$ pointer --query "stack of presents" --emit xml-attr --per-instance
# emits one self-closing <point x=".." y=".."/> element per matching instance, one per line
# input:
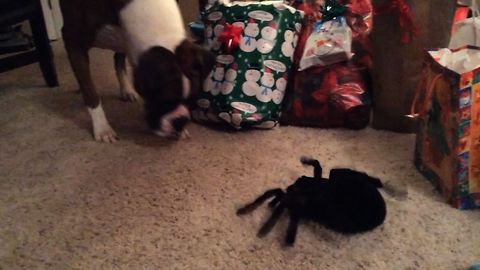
<point x="323" y="63"/>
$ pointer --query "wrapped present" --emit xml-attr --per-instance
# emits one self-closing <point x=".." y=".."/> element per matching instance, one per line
<point x="254" y="43"/>
<point x="333" y="96"/>
<point x="344" y="86"/>
<point x="448" y="140"/>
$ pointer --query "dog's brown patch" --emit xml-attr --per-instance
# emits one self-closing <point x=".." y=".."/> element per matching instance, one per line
<point x="82" y="19"/>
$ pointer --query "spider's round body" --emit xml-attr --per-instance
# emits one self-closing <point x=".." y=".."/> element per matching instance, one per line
<point x="347" y="202"/>
<point x="344" y="204"/>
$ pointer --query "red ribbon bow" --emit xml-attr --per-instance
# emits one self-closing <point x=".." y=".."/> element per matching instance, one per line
<point x="231" y="36"/>
<point x="405" y="16"/>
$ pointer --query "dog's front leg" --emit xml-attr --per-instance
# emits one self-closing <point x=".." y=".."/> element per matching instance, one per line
<point x="79" y="61"/>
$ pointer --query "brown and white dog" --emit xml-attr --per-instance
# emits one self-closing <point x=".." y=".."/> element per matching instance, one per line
<point x="168" y="69"/>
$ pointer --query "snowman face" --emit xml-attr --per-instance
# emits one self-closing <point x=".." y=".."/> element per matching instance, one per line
<point x="268" y="80"/>
<point x="277" y="97"/>
<point x="252" y="75"/>
<point x="289" y="36"/>
<point x="219" y="73"/>
<point x="209" y="31"/>
<point x="265" y="46"/>
<point x="252" y="30"/>
<point x="218" y="29"/>
<point x="279" y="6"/>
<point x="298" y="27"/>
<point x="295" y="40"/>
<point x="281" y="84"/>
<point x="269" y="33"/>
<point x="239" y="24"/>
<point x="231" y="75"/>
<point x="465" y="99"/>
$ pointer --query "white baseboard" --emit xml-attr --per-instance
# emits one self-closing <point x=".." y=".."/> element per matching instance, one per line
<point x="53" y="18"/>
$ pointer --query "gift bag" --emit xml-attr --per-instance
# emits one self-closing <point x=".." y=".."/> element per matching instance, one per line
<point x="335" y="95"/>
<point x="447" y="148"/>
<point x="467" y="31"/>
<point x="254" y="43"/>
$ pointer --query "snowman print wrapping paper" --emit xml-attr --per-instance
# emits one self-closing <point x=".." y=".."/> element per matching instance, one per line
<point x="248" y="83"/>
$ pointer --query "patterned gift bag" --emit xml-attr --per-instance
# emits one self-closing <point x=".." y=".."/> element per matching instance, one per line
<point x="247" y="86"/>
<point x="448" y="140"/>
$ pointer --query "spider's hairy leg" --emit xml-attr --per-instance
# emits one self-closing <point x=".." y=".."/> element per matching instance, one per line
<point x="276" y="200"/>
<point x="292" y="229"/>
<point x="317" y="169"/>
<point x="375" y="181"/>
<point x="252" y="206"/>
<point x="268" y="226"/>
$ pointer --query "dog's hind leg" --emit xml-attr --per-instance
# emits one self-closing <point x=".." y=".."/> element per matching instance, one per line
<point x="127" y="92"/>
<point x="79" y="61"/>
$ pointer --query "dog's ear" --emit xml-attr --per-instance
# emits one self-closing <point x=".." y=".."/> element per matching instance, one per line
<point x="196" y="63"/>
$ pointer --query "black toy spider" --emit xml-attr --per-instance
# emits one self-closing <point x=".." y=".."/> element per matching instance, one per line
<point x="348" y="202"/>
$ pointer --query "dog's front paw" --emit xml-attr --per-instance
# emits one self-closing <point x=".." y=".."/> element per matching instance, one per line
<point x="185" y="135"/>
<point x="129" y="96"/>
<point x="101" y="128"/>
<point x="105" y="134"/>
<point x="127" y="91"/>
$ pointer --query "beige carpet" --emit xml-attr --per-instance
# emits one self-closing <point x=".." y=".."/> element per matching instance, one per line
<point x="67" y="202"/>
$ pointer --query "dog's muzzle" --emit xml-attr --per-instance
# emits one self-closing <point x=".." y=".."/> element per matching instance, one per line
<point x="172" y="125"/>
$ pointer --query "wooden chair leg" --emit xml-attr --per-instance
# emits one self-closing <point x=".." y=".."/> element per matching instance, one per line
<point x="42" y="44"/>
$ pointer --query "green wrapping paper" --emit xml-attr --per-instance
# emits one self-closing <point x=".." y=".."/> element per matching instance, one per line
<point x="247" y="86"/>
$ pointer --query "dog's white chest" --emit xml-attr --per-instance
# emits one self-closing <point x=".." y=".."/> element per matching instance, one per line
<point x="112" y="38"/>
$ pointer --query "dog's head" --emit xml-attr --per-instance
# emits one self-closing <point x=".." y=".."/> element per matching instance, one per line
<point x="168" y="82"/>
